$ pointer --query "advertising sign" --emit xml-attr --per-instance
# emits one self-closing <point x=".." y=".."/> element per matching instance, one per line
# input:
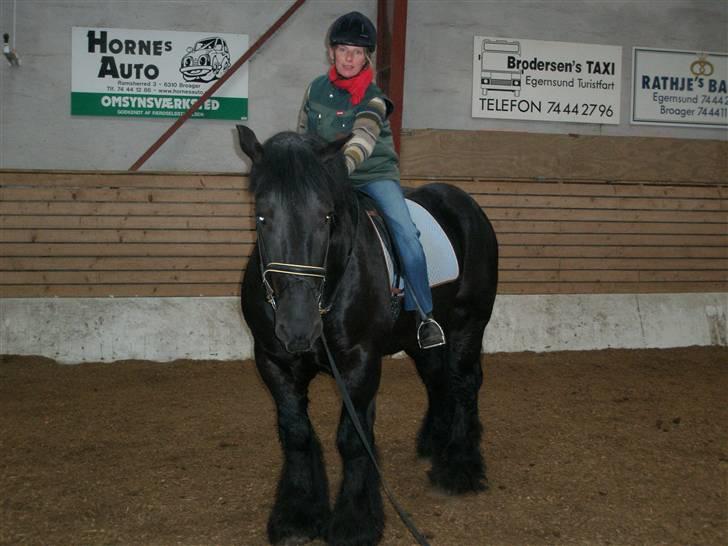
<point x="156" y="73"/>
<point x="679" y="88"/>
<point x="546" y="81"/>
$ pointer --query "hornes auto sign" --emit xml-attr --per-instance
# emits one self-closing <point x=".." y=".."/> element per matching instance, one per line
<point x="146" y="73"/>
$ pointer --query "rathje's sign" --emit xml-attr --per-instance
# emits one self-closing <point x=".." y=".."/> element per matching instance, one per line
<point x="156" y="73"/>
<point x="546" y="81"/>
<point x="680" y="88"/>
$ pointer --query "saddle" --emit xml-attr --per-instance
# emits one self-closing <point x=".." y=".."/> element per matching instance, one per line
<point x="442" y="264"/>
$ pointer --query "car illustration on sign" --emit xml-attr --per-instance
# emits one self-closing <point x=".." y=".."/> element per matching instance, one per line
<point x="495" y="74"/>
<point x="206" y="61"/>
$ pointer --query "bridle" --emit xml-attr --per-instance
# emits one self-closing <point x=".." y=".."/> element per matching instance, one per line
<point x="296" y="270"/>
<point x="291" y="269"/>
<point x="301" y="270"/>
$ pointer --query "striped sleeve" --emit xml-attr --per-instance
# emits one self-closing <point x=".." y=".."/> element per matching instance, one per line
<point x="365" y="132"/>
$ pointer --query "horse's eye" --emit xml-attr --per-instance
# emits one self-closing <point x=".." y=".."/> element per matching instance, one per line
<point x="329" y="218"/>
<point x="260" y="219"/>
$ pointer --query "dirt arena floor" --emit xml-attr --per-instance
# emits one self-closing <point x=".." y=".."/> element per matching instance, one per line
<point x="619" y="447"/>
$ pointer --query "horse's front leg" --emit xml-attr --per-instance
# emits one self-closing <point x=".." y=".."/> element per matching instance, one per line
<point x="301" y="510"/>
<point x="358" y="516"/>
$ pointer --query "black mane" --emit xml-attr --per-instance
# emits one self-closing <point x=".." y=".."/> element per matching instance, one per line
<point x="293" y="168"/>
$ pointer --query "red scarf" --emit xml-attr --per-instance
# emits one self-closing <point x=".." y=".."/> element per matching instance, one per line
<point x="356" y="86"/>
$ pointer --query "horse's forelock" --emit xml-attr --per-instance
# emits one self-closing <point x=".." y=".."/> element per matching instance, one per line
<point x="292" y="169"/>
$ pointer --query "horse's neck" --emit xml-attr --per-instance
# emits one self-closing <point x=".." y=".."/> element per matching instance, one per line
<point x="351" y="224"/>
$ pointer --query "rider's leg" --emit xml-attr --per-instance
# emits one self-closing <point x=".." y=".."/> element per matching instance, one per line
<point x="390" y="199"/>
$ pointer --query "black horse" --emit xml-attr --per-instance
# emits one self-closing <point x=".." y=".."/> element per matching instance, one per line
<point x="318" y="269"/>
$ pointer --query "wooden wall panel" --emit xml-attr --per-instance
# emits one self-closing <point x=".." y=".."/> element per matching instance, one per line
<point x="570" y="218"/>
<point x="507" y="155"/>
<point x="122" y="234"/>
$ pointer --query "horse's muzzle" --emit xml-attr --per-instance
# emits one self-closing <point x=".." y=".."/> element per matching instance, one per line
<point x="298" y="322"/>
<point x="297" y="342"/>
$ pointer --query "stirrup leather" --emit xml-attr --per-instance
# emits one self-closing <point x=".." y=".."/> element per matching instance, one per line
<point x="424" y="344"/>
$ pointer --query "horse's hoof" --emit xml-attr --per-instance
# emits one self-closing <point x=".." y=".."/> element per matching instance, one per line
<point x="366" y="538"/>
<point x="353" y="532"/>
<point x="293" y="541"/>
<point x="296" y="531"/>
<point x="457" y="481"/>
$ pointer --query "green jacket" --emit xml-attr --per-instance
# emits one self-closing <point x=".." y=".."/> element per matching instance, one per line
<point x="328" y="112"/>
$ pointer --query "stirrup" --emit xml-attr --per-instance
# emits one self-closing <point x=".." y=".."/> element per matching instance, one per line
<point x="430" y="341"/>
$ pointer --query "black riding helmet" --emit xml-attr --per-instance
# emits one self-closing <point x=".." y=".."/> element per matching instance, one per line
<point x="354" y="29"/>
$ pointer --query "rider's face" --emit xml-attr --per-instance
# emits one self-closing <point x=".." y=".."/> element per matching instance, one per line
<point x="349" y="60"/>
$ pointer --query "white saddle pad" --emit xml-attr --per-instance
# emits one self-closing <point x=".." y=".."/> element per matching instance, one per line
<point x="442" y="264"/>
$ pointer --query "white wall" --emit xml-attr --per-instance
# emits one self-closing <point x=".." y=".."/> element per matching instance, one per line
<point x="38" y="132"/>
<point x="164" y="329"/>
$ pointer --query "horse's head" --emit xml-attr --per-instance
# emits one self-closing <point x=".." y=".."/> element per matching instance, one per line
<point x="299" y="186"/>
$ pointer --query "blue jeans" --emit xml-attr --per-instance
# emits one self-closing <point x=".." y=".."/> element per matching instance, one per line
<point x="390" y="200"/>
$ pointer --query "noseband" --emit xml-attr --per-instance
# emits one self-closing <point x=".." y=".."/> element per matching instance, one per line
<point x="296" y="270"/>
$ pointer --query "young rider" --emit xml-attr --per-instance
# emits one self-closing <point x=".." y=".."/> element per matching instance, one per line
<point x="346" y="101"/>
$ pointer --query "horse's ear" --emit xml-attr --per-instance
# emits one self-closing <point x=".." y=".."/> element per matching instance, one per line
<point x="249" y="143"/>
<point x="331" y="149"/>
